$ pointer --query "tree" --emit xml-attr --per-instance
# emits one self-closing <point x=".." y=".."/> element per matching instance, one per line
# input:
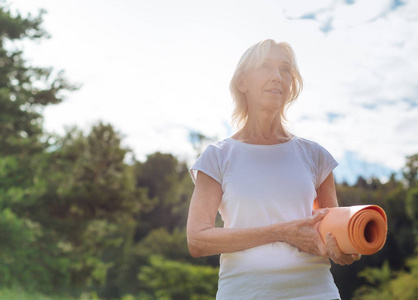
<point x="91" y="203"/>
<point x="410" y="171"/>
<point x="169" y="189"/>
<point x="24" y="90"/>
<point x="412" y="209"/>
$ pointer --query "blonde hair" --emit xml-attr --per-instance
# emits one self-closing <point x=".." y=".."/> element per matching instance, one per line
<point x="254" y="58"/>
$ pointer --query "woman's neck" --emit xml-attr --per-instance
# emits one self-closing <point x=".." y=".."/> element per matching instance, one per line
<point x="263" y="130"/>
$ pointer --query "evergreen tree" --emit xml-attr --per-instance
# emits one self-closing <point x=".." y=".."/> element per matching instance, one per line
<point x="24" y="91"/>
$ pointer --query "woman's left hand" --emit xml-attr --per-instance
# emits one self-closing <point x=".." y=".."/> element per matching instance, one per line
<point x="336" y="254"/>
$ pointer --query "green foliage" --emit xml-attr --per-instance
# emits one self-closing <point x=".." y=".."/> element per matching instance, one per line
<point x="28" y="257"/>
<point x="16" y="236"/>
<point x="169" y="189"/>
<point x="91" y="175"/>
<point x="24" y="90"/>
<point x="93" y="202"/>
<point x="161" y="242"/>
<point x="377" y="276"/>
<point x="18" y="294"/>
<point x="412" y="209"/>
<point x="385" y="285"/>
<point x="173" y="280"/>
<point x="18" y="27"/>
<point x="410" y="172"/>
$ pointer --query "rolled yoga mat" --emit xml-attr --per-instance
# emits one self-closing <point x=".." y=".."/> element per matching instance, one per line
<point x="359" y="229"/>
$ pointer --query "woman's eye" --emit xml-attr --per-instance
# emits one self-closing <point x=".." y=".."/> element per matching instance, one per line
<point x="287" y="70"/>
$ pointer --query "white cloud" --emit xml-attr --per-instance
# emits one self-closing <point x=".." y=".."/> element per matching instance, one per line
<point x="363" y="70"/>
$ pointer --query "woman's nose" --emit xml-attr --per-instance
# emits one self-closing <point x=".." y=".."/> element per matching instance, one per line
<point x="276" y="75"/>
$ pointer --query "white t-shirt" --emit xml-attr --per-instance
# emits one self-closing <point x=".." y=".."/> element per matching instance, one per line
<point x="263" y="185"/>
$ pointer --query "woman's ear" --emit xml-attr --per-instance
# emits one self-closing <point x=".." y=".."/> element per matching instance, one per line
<point x="242" y="86"/>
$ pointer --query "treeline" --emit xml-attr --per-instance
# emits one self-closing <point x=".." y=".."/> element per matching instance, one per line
<point x="80" y="216"/>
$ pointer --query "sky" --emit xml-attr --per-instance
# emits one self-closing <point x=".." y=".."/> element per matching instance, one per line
<point x="157" y="70"/>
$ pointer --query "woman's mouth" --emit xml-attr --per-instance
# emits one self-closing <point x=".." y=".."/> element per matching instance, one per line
<point x="274" y="91"/>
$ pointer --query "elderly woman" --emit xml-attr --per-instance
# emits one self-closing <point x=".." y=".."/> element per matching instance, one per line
<point x="263" y="181"/>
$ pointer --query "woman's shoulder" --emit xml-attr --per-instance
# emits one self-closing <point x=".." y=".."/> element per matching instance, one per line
<point x="218" y="147"/>
<point x="314" y="150"/>
<point x="309" y="146"/>
<point x="221" y="143"/>
<point x="308" y="143"/>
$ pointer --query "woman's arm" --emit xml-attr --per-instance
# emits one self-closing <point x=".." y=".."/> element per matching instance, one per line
<point x="327" y="197"/>
<point x="204" y="239"/>
<point x="326" y="193"/>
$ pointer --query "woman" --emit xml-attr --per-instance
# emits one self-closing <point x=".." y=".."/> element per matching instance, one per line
<point x="263" y="181"/>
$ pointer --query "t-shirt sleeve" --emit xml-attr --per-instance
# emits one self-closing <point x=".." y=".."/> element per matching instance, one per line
<point x="208" y="163"/>
<point x="326" y="163"/>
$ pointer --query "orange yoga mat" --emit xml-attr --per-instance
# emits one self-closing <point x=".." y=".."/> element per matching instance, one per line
<point x="359" y="229"/>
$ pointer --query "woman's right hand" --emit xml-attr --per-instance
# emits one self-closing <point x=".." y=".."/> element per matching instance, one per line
<point x="303" y="234"/>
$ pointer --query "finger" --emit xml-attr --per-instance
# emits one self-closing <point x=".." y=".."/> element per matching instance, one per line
<point x="322" y="248"/>
<point x="356" y="257"/>
<point x="319" y="215"/>
<point x="330" y="244"/>
<point x="337" y="255"/>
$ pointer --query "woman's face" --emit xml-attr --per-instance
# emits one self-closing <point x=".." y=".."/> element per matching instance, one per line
<point x="268" y="86"/>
